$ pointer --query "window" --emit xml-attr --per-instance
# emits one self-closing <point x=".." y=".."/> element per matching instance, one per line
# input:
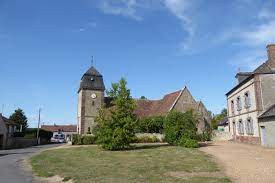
<point x="93" y="103"/>
<point x="247" y="100"/>
<point x="232" y="107"/>
<point x="241" y="130"/>
<point x="239" y="104"/>
<point x="249" y="127"/>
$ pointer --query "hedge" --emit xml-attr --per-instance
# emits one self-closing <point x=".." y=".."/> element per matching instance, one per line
<point x="83" y="139"/>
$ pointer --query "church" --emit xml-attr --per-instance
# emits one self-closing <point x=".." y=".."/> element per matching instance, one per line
<point x="91" y="97"/>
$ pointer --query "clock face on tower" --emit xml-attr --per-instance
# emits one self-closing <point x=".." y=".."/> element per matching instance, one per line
<point x="93" y="96"/>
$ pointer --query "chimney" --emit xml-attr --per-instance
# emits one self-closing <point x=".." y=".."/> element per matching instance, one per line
<point x="271" y="55"/>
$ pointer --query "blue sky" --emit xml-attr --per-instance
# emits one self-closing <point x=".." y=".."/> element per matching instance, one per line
<point x="158" y="45"/>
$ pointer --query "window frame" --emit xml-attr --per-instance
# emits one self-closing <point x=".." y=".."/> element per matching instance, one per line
<point x="247" y="99"/>
<point x="240" y="127"/>
<point x="232" y="107"/>
<point x="249" y="126"/>
<point x="239" y="103"/>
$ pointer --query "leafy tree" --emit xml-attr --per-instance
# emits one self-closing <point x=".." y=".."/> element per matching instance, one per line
<point x="180" y="125"/>
<point x="217" y="118"/>
<point x="150" y="125"/>
<point x="19" y="117"/>
<point x="116" y="125"/>
<point x="143" y="97"/>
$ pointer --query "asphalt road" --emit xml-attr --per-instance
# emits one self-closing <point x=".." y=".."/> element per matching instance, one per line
<point x="11" y="164"/>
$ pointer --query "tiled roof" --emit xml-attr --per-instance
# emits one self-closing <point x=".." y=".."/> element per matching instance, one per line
<point x="92" y="80"/>
<point x="270" y="112"/>
<point x="56" y="128"/>
<point x="147" y="108"/>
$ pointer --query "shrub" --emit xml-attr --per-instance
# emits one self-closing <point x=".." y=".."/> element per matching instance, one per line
<point x="146" y="139"/>
<point x="88" y="139"/>
<point x="188" y="143"/>
<point x="150" y="125"/>
<point x="205" y="136"/>
<point x="76" y="139"/>
<point x="178" y="125"/>
<point x="83" y="139"/>
<point x="18" y="134"/>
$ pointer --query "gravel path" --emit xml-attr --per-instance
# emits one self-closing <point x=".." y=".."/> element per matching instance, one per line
<point x="244" y="163"/>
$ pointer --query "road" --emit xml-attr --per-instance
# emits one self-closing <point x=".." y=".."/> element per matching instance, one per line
<point x="244" y="163"/>
<point x="12" y="167"/>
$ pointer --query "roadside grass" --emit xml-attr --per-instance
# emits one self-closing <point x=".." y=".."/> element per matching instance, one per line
<point x="143" y="164"/>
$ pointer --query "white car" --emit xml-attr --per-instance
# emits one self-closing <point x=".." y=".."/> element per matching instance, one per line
<point x="58" y="138"/>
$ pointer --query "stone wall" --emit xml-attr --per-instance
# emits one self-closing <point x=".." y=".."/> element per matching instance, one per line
<point x="20" y="142"/>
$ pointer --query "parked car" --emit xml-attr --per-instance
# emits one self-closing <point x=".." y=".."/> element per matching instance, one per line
<point x="58" y="138"/>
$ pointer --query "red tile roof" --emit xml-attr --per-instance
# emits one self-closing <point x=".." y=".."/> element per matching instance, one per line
<point x="147" y="108"/>
<point x="56" y="128"/>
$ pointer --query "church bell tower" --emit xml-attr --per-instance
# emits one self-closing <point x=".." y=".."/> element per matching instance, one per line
<point x="90" y="99"/>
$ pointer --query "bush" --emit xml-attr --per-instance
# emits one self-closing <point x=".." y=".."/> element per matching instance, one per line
<point x="76" y="139"/>
<point x="188" y="143"/>
<point x="146" y="139"/>
<point x="83" y="139"/>
<point x="178" y="125"/>
<point x="150" y="125"/>
<point x="205" y="136"/>
<point x="88" y="139"/>
<point x="18" y="134"/>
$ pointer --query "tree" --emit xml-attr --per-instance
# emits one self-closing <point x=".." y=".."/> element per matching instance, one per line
<point x="143" y="98"/>
<point x="180" y="126"/>
<point x="116" y="125"/>
<point x="217" y="118"/>
<point x="19" y="117"/>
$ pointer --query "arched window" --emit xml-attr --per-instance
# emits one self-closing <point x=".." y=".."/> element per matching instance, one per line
<point x="239" y="103"/>
<point x="249" y="126"/>
<point x="241" y="129"/>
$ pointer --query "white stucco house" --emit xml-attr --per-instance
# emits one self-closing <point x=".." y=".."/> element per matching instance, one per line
<point x="249" y="100"/>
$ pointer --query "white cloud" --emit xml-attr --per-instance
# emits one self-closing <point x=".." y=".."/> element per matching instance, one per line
<point x="179" y="8"/>
<point x="87" y="27"/>
<point x="262" y="34"/>
<point x="125" y="8"/>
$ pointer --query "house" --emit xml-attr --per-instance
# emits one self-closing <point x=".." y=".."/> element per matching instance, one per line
<point x="180" y="101"/>
<point x="7" y="129"/>
<point x="91" y="98"/>
<point x="66" y="130"/>
<point x="223" y="125"/>
<point x="250" y="104"/>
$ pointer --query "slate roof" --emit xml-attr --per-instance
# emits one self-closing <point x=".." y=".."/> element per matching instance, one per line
<point x="56" y="128"/>
<point x="262" y="69"/>
<point x="148" y="108"/>
<point x="270" y="112"/>
<point x="92" y="80"/>
<point x="223" y="122"/>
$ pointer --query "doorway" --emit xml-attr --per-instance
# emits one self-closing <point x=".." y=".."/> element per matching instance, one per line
<point x="263" y="136"/>
<point x="234" y="131"/>
<point x="1" y="141"/>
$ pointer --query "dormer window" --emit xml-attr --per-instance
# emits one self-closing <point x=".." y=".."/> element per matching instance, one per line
<point x="247" y="100"/>
<point x="239" y="104"/>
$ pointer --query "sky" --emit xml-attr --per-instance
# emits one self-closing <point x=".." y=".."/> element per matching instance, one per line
<point x="159" y="46"/>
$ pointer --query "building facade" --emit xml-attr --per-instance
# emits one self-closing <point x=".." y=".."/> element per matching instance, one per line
<point x="91" y="98"/>
<point x="251" y="97"/>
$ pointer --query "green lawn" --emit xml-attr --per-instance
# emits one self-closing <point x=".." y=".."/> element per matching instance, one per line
<point x="144" y="164"/>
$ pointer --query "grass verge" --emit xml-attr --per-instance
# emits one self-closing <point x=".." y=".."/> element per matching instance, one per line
<point x="144" y="164"/>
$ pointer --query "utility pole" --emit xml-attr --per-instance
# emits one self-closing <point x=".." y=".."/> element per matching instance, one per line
<point x="37" y="137"/>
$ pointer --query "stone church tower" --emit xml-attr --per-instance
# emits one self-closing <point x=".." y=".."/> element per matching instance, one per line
<point x="90" y="99"/>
